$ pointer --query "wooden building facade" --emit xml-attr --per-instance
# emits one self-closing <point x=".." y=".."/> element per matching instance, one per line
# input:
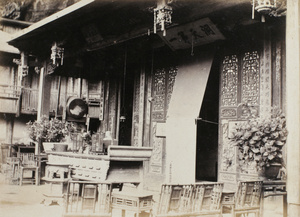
<point x="180" y="94"/>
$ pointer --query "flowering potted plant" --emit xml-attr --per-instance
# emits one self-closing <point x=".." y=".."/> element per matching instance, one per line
<point x="44" y="130"/>
<point x="260" y="141"/>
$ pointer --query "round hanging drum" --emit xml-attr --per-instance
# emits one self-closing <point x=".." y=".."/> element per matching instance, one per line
<point x="77" y="108"/>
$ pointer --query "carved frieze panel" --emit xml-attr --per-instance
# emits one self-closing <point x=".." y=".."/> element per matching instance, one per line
<point x="227" y="177"/>
<point x="250" y="78"/>
<point x="162" y="88"/>
<point x="159" y="93"/>
<point x="243" y="113"/>
<point x="160" y="81"/>
<point x="157" y="152"/>
<point x="228" y="112"/>
<point x="229" y="81"/>
<point x="164" y="80"/>
<point x="171" y="80"/>
<point x="159" y="103"/>
<point x="228" y="163"/>
<point x="158" y="115"/>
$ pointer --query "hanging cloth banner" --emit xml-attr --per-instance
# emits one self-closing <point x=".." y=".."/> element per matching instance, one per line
<point x="184" y="107"/>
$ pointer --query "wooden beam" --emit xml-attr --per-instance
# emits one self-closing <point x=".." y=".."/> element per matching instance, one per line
<point x="117" y="40"/>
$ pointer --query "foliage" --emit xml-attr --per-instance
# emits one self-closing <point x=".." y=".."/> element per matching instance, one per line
<point x="86" y="138"/>
<point x="53" y="130"/>
<point x="261" y="140"/>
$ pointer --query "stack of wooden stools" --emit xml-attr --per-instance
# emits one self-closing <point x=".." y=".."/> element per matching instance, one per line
<point x="57" y="177"/>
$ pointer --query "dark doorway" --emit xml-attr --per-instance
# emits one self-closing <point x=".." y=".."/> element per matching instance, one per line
<point x="126" y="109"/>
<point x="207" y="130"/>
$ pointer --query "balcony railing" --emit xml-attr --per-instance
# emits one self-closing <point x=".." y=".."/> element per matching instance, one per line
<point x="13" y="98"/>
<point x="9" y="98"/>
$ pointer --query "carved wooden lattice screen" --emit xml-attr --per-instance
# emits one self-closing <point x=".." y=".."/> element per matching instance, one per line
<point x="252" y="77"/>
<point x="162" y="88"/>
<point x="240" y="83"/>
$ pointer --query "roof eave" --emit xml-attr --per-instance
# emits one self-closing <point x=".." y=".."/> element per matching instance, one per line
<point x="22" y="33"/>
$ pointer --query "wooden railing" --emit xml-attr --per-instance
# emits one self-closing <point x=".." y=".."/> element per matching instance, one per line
<point x="10" y="91"/>
<point x="9" y="98"/>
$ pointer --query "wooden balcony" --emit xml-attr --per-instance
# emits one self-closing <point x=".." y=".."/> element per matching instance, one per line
<point x="9" y="98"/>
<point x="30" y="101"/>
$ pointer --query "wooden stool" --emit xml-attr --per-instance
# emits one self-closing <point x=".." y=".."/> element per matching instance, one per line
<point x="34" y="178"/>
<point x="137" y="202"/>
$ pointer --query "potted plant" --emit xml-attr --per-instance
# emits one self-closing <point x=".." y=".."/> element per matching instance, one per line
<point x="260" y="141"/>
<point x="51" y="131"/>
<point x="86" y="142"/>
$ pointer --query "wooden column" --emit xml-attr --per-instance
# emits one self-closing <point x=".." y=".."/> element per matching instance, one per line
<point x="44" y="94"/>
<point x="141" y="106"/>
<point x="43" y="109"/>
<point x="40" y="94"/>
<point x="293" y="106"/>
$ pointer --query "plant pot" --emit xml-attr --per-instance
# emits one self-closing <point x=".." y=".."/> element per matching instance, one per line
<point x="60" y="147"/>
<point x="272" y="171"/>
<point x="48" y="146"/>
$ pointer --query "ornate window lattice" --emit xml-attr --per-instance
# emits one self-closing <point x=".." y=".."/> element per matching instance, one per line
<point x="163" y="87"/>
<point x="229" y="84"/>
<point x="250" y="78"/>
<point x="159" y="90"/>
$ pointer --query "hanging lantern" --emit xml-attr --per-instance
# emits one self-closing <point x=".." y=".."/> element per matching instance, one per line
<point x="263" y="7"/>
<point x="162" y="16"/>
<point x="57" y="54"/>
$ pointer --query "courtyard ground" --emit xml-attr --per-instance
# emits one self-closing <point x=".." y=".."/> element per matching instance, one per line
<point x="27" y="201"/>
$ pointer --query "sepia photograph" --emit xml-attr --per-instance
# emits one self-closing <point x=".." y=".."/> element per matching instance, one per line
<point x="149" y="108"/>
